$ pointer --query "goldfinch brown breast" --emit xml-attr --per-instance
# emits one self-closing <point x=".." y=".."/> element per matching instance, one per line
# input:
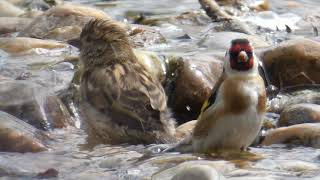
<point x="121" y="101"/>
<point x="233" y="118"/>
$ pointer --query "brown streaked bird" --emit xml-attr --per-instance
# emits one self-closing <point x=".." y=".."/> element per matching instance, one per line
<point x="121" y="101"/>
<point x="232" y="117"/>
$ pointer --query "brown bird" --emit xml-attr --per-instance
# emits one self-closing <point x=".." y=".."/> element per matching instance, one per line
<point x="232" y="117"/>
<point x="121" y="101"/>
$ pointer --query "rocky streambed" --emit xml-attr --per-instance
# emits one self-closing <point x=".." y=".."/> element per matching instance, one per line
<point x="41" y="131"/>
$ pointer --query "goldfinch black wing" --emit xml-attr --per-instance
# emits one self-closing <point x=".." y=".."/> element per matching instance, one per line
<point x="212" y="98"/>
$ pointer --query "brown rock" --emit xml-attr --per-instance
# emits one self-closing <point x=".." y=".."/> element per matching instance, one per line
<point x="20" y="98"/>
<point x="32" y="103"/>
<point x="228" y="2"/>
<point x="192" y="172"/>
<point x="22" y="45"/>
<point x="9" y="10"/>
<point x="195" y="77"/>
<point x="261" y="5"/>
<point x="290" y="96"/>
<point x="144" y="36"/>
<point x="62" y="22"/>
<point x="49" y="173"/>
<point x="194" y="18"/>
<point x="306" y="134"/>
<point x="57" y="113"/>
<point x="13" y="24"/>
<point x="18" y="136"/>
<point x="299" y="114"/>
<point x="293" y="62"/>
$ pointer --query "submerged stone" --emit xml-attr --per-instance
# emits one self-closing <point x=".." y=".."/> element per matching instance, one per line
<point x="33" y="104"/>
<point x="61" y="22"/>
<point x="294" y="95"/>
<point x="201" y="169"/>
<point x="203" y="172"/>
<point x="13" y="24"/>
<point x="307" y="134"/>
<point x="299" y="114"/>
<point x="22" y="44"/>
<point x="144" y="36"/>
<point x="9" y="10"/>
<point x="18" y="136"/>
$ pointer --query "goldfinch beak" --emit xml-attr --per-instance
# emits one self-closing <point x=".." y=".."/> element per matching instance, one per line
<point x="242" y="57"/>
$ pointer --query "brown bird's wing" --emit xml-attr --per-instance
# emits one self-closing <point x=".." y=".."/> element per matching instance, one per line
<point x="205" y="122"/>
<point x="201" y="128"/>
<point x="130" y="98"/>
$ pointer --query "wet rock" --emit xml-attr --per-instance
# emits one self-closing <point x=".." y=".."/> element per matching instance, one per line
<point x="5" y="78"/>
<point x="22" y="44"/>
<point x="235" y="25"/>
<point x="220" y="41"/>
<point x="195" y="18"/>
<point x="263" y="5"/>
<point x="195" y="77"/>
<point x="307" y="134"/>
<point x="33" y="104"/>
<point x="57" y="113"/>
<point x="41" y="5"/>
<point x="196" y="169"/>
<point x="19" y="98"/>
<point x="299" y="114"/>
<point x="228" y="2"/>
<point x="203" y="172"/>
<point x="143" y="36"/>
<point x="298" y="166"/>
<point x="18" y="136"/>
<point x="270" y="121"/>
<point x="28" y="3"/>
<point x="50" y="173"/>
<point x="294" y="95"/>
<point x="9" y="10"/>
<point x="13" y="24"/>
<point x="293" y="62"/>
<point x="31" y="14"/>
<point x="62" y="22"/>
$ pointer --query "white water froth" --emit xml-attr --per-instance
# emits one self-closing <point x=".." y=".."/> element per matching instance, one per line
<point x="274" y="21"/>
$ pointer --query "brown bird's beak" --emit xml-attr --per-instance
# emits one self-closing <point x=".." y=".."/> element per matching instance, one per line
<point x="242" y="57"/>
<point x="75" y="42"/>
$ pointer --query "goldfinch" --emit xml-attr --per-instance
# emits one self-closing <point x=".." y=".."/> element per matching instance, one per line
<point x="232" y="117"/>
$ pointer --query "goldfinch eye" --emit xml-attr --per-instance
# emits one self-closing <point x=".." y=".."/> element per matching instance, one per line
<point x="233" y="54"/>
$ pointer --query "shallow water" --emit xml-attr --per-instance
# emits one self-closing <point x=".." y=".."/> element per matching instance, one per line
<point x="66" y="154"/>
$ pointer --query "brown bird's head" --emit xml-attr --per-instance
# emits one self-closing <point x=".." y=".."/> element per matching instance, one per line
<point x="104" y="41"/>
<point x="240" y="56"/>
